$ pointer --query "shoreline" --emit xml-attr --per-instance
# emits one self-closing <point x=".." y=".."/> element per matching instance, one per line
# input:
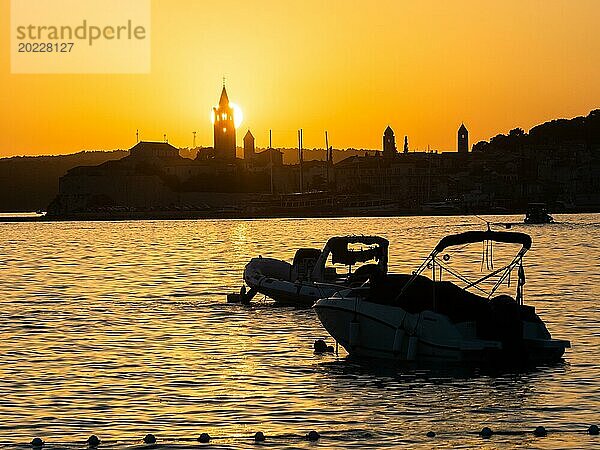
<point x="230" y="215"/>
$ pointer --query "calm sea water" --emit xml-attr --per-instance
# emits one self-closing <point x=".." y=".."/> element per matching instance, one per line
<point x="122" y="329"/>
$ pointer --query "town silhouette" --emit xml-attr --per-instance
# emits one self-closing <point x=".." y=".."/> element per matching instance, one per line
<point x="556" y="163"/>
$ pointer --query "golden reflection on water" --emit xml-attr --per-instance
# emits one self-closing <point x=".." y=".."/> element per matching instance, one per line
<point x="121" y="328"/>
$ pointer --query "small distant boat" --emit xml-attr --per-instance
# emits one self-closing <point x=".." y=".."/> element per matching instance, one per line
<point x="411" y="317"/>
<point x="310" y="276"/>
<point x="445" y="207"/>
<point x="537" y="213"/>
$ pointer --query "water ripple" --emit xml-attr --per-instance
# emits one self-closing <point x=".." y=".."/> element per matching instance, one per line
<point x="121" y="328"/>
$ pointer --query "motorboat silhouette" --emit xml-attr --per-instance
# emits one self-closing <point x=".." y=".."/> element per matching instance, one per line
<point x="412" y="317"/>
<point x="313" y="273"/>
<point x="537" y="213"/>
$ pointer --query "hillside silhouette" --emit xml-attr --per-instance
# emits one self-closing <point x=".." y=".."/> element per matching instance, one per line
<point x="29" y="183"/>
<point x="560" y="131"/>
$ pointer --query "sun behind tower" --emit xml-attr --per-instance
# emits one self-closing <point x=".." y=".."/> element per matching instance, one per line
<point x="226" y="117"/>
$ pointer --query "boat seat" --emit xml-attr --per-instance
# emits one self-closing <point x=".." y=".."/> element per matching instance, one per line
<point x="363" y="273"/>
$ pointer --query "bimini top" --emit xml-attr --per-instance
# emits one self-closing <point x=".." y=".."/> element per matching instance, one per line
<point x="342" y="254"/>
<point x="470" y="237"/>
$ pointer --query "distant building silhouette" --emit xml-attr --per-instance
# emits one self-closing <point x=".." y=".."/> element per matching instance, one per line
<point x="150" y="150"/>
<point x="224" y="128"/>
<point x="389" y="143"/>
<point x="268" y="157"/>
<point x="463" y="139"/>
<point x="557" y="162"/>
<point x="248" y="146"/>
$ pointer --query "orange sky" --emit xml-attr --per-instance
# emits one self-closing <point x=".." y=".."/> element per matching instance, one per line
<point x="351" y="67"/>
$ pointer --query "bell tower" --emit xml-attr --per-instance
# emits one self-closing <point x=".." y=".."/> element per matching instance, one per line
<point x="389" y="143"/>
<point x="463" y="139"/>
<point x="248" y="146"/>
<point x="224" y="128"/>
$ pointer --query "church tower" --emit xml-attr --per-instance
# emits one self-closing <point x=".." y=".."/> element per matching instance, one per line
<point x="389" y="143"/>
<point x="463" y="139"/>
<point x="248" y="146"/>
<point x="224" y="128"/>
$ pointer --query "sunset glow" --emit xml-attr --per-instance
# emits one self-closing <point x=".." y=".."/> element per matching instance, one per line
<point x="385" y="234"/>
<point x="238" y="115"/>
<point x="347" y="67"/>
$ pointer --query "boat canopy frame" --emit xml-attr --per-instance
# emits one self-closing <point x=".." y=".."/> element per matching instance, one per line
<point x="471" y="237"/>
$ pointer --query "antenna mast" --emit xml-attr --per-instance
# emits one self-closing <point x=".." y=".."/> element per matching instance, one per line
<point x="300" y="158"/>
<point x="271" y="158"/>
<point x="327" y="156"/>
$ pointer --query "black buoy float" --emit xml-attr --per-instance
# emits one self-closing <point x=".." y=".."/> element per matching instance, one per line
<point x="259" y="436"/>
<point x="150" y="439"/>
<point x="234" y="297"/>
<point x="204" y="438"/>
<point x="593" y="430"/>
<point x="540" y="431"/>
<point x="37" y="442"/>
<point x="313" y="435"/>
<point x="93" y="441"/>
<point x="486" y="432"/>
<point x="320" y="346"/>
<point x="430" y="434"/>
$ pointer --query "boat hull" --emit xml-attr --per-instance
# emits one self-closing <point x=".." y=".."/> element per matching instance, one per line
<point x="268" y="277"/>
<point x="276" y="287"/>
<point x="292" y="294"/>
<point x="367" y="329"/>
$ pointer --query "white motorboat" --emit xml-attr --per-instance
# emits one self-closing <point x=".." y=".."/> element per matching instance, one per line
<point x="413" y="317"/>
<point x="313" y="273"/>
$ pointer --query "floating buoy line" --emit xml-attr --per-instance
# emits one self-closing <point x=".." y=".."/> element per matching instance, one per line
<point x="151" y="440"/>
